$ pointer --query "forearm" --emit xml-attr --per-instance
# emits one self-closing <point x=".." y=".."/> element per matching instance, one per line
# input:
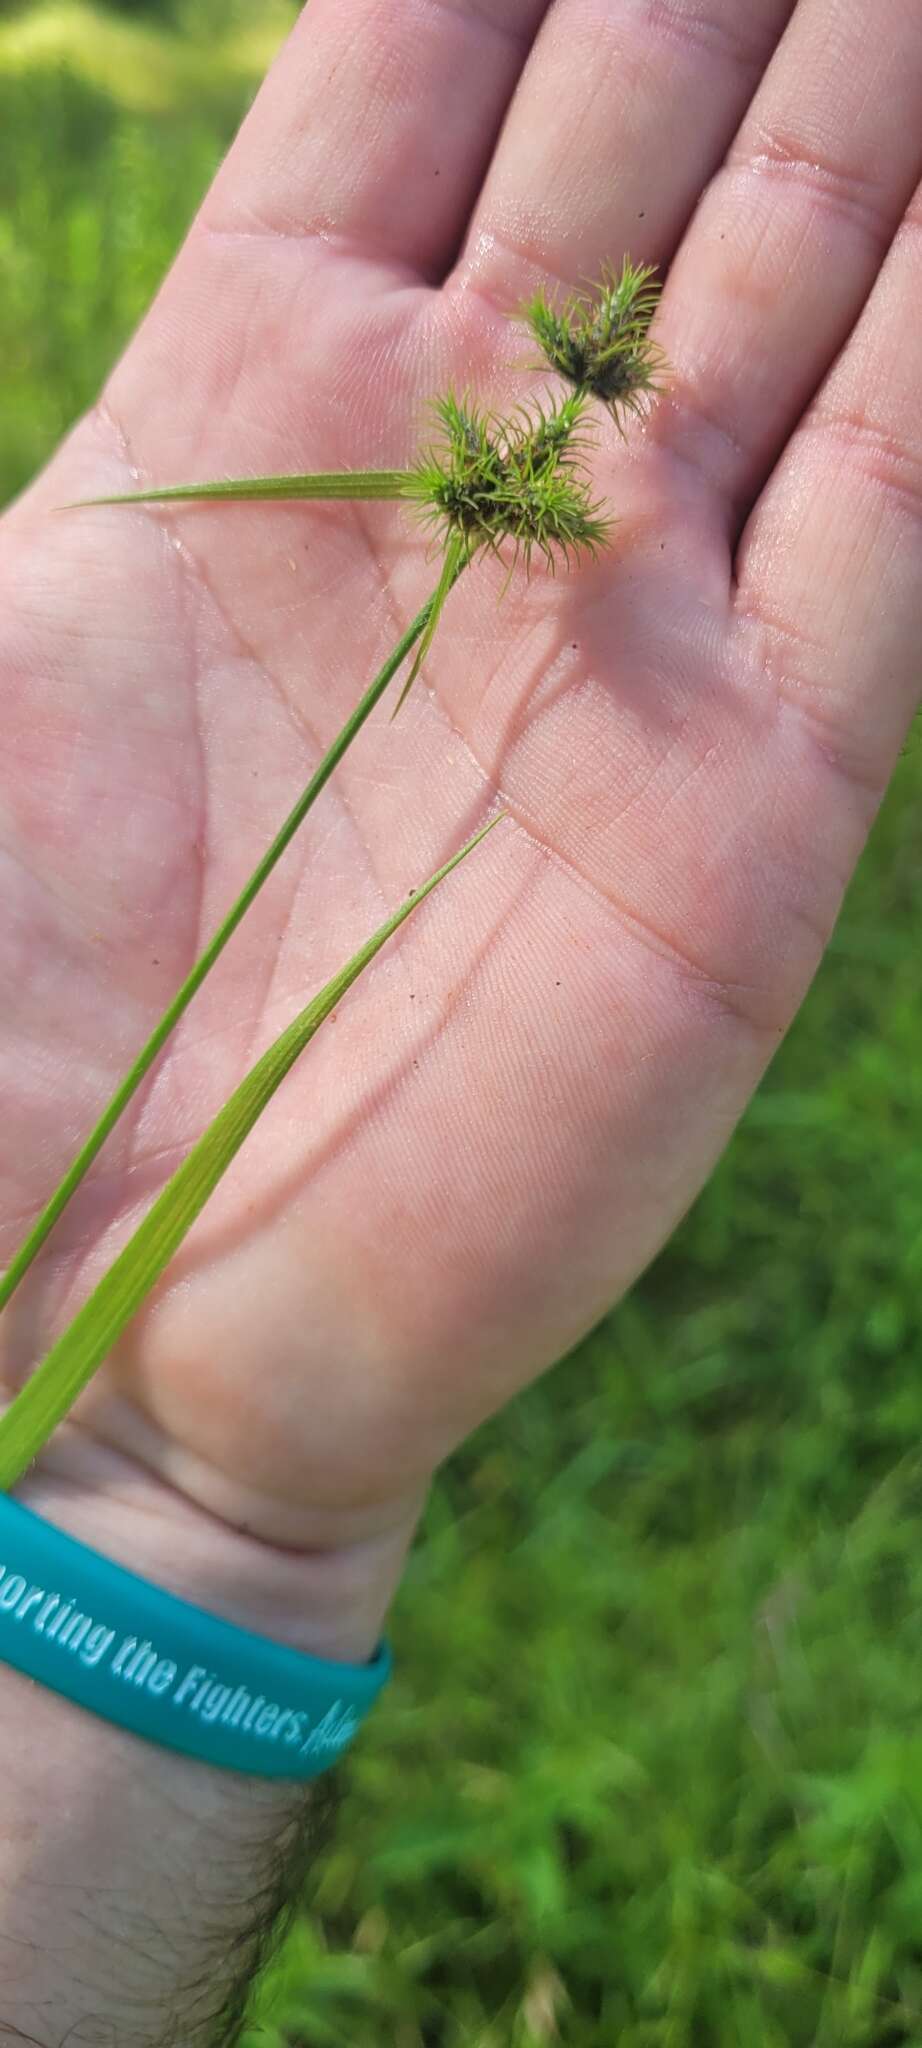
<point x="139" y="1889"/>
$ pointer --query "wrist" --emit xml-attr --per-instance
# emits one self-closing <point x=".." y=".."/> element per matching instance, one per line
<point x="138" y="1887"/>
<point x="329" y="1602"/>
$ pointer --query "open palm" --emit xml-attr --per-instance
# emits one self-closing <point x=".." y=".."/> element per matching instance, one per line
<point x="690" y="737"/>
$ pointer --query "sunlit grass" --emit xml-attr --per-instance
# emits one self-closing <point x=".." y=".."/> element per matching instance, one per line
<point x="148" y="70"/>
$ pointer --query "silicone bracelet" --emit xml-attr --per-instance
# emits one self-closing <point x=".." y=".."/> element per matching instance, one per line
<point x="139" y="1656"/>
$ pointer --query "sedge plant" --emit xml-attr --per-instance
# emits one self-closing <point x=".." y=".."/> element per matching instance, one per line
<point x="513" y="486"/>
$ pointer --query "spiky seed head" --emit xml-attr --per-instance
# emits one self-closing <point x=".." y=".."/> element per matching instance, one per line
<point x="599" y="339"/>
<point x="492" y="480"/>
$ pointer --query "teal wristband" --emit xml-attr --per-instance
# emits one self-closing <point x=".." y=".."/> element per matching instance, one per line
<point x="171" y="1672"/>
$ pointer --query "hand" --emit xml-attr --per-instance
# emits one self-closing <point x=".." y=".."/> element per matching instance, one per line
<point x="508" y="1117"/>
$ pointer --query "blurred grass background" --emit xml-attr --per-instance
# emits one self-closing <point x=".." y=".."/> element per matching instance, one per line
<point x="650" y="1770"/>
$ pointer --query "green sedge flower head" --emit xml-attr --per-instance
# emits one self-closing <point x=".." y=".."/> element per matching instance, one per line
<point x="492" y="480"/>
<point x="599" y="340"/>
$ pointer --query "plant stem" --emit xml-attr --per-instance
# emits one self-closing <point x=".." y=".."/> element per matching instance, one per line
<point x="127" y="1088"/>
<point x="55" y="1385"/>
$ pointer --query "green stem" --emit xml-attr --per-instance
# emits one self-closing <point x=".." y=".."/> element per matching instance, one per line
<point x="123" y="1094"/>
<point x="55" y="1385"/>
<point x="350" y="483"/>
<point x="456" y="555"/>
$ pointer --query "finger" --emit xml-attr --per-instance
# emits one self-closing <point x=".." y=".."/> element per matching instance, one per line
<point x="376" y="124"/>
<point x="830" y="590"/>
<point x="790" y="236"/>
<point x="622" y="113"/>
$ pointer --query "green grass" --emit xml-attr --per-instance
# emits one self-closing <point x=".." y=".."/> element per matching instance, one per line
<point x="652" y="1757"/>
<point x="95" y="191"/>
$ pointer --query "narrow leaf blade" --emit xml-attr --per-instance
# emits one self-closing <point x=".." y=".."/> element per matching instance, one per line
<point x="352" y="483"/>
<point x="55" y="1385"/>
<point x="76" y="1172"/>
<point x="455" y="558"/>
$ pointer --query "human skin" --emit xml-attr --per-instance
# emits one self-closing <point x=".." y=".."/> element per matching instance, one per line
<point x="690" y="738"/>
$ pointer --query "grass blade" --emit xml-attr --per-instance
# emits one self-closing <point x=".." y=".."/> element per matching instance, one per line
<point x="67" y="1187"/>
<point x="455" y="559"/>
<point x="53" y="1388"/>
<point x="350" y="483"/>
